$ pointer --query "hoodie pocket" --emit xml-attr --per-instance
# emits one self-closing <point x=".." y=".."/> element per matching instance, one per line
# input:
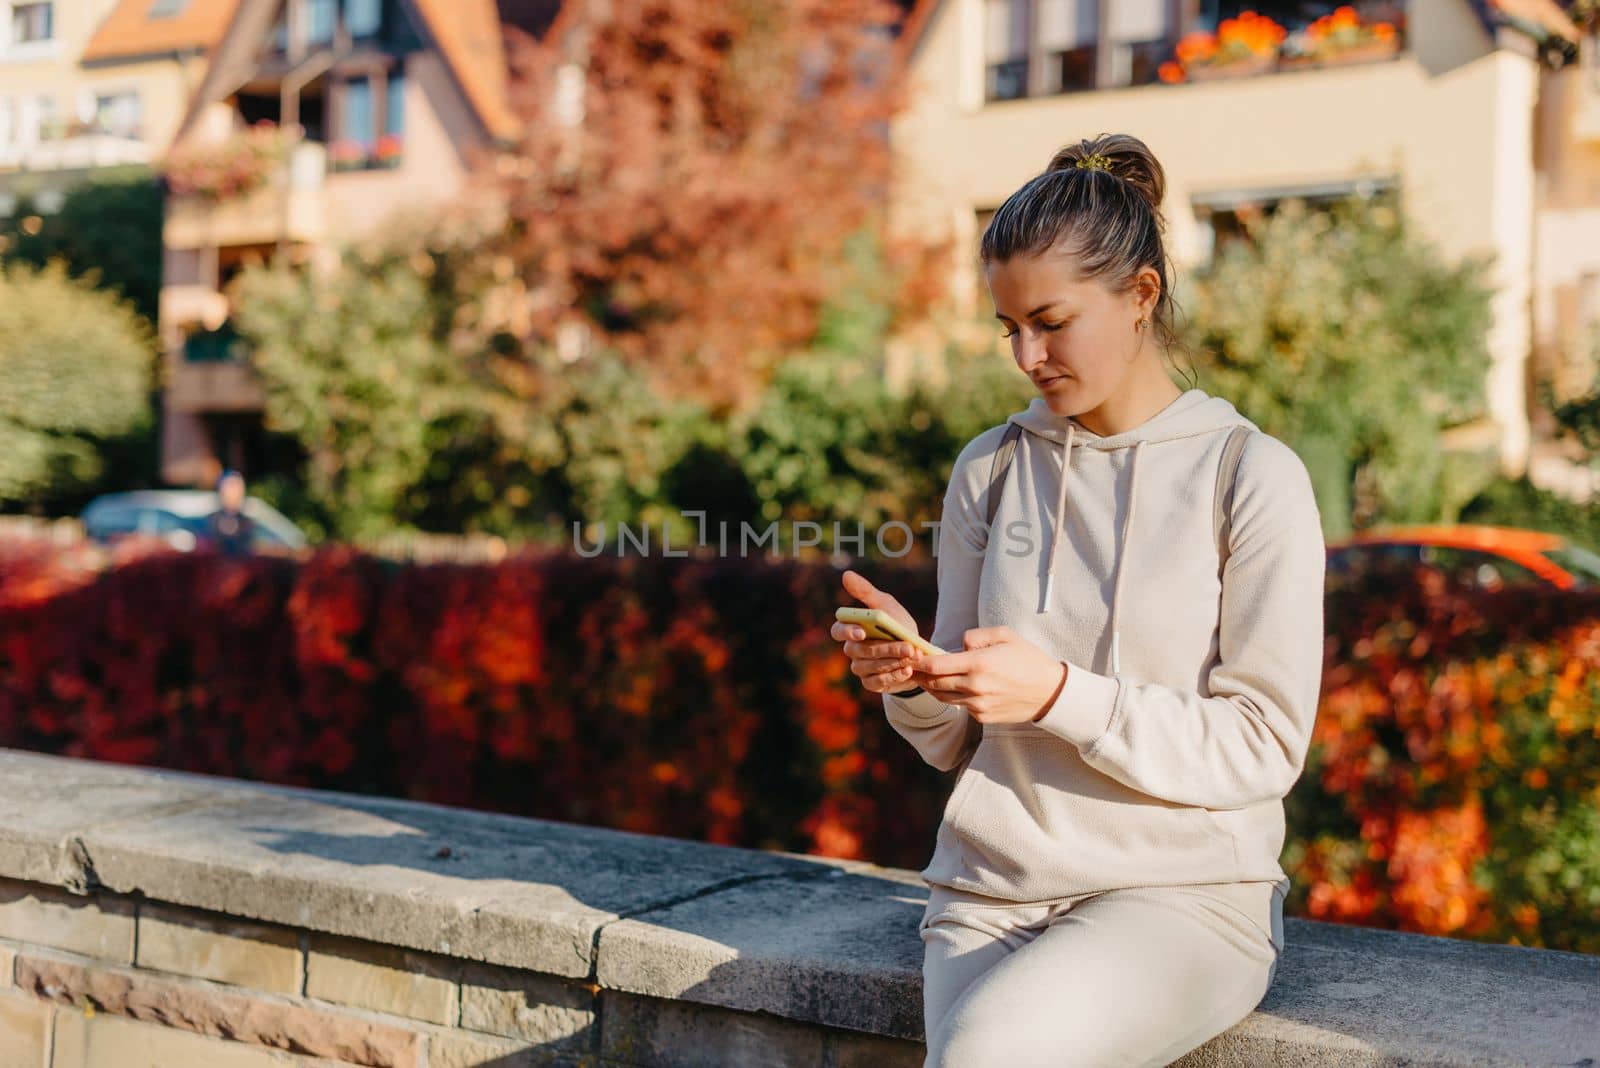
<point x="1030" y="820"/>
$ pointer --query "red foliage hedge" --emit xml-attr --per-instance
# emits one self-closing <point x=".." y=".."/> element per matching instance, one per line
<point x="1453" y="785"/>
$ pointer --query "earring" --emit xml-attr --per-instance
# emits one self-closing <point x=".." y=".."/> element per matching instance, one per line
<point x="1143" y="323"/>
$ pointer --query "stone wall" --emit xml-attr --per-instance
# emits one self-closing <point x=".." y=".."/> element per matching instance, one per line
<point x="152" y="919"/>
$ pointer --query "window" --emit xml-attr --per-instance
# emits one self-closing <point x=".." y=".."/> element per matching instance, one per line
<point x="359" y="125"/>
<point x="1370" y="566"/>
<point x="1076" y="44"/>
<point x="32" y="22"/>
<point x="118" y="114"/>
<point x="1478" y="570"/>
<point x="363" y="18"/>
<point x="1579" y="562"/>
<point x="46" y="127"/>
<point x="394" y="117"/>
<point x="1006" y="48"/>
<point x="1067" y="33"/>
<point x="1140" y="38"/>
<point x="370" y="121"/>
<point x="320" y="18"/>
<point x="1224" y="217"/>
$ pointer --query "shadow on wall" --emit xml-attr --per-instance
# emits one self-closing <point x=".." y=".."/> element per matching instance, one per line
<point x="742" y="930"/>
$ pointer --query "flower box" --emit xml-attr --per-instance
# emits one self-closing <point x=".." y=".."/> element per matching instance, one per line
<point x="230" y="169"/>
<point x="1238" y="68"/>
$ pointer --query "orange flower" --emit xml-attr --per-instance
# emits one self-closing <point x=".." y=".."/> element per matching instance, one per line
<point x="1170" y="72"/>
<point x="1195" y="46"/>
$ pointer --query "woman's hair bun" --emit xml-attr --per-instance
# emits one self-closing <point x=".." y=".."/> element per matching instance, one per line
<point x="1129" y="158"/>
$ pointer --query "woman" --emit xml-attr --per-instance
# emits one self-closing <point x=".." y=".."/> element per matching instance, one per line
<point x="1134" y="651"/>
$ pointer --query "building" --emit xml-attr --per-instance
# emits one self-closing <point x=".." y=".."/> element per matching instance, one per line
<point x="1484" y="117"/>
<point x="94" y="83"/>
<point x="363" y="109"/>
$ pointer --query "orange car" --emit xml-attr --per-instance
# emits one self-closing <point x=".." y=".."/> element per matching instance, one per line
<point x="1486" y="557"/>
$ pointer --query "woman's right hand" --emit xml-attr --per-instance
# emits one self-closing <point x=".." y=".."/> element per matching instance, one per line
<point x="882" y="666"/>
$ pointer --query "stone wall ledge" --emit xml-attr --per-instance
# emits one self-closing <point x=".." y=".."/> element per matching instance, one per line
<point x="792" y="941"/>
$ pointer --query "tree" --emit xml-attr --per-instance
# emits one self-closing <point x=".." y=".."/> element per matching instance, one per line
<point x="358" y="368"/>
<point x="76" y="369"/>
<point x="695" y="215"/>
<point x="1348" y="337"/>
<point x="108" y="229"/>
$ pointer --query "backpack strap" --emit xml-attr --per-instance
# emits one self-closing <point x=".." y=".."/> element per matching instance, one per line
<point x="1002" y="466"/>
<point x="1222" y="498"/>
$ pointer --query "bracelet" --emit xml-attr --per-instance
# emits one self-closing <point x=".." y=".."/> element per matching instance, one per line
<point x="908" y="693"/>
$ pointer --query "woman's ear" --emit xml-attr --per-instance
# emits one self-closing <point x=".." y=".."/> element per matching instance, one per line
<point x="1149" y="286"/>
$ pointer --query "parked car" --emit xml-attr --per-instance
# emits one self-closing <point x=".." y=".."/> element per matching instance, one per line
<point x="1484" y="557"/>
<point x="178" y="517"/>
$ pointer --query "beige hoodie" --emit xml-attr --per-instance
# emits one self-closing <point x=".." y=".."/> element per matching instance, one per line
<point x="1189" y="697"/>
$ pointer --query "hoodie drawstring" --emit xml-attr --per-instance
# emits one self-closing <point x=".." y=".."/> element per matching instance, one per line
<point x="1122" y="548"/>
<point x="1055" y="535"/>
<point x="1122" y="561"/>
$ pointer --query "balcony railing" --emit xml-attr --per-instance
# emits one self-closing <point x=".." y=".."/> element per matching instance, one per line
<point x="212" y="372"/>
<point x="286" y="205"/>
<point x="1250" y="43"/>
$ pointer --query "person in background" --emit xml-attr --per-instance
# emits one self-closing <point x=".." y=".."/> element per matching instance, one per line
<point x="228" y="528"/>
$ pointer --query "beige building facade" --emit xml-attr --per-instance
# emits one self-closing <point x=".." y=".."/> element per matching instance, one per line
<point x="1490" y="149"/>
<point x="384" y="107"/>
<point x="94" y="83"/>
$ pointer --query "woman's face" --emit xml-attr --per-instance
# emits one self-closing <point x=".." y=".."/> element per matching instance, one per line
<point x="1076" y="340"/>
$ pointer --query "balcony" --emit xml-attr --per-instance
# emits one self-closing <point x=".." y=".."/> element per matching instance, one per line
<point x="78" y="151"/>
<point x="285" y="204"/>
<point x="1034" y="51"/>
<point x="211" y="372"/>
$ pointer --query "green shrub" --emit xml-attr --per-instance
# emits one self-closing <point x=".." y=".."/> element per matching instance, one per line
<point x="1349" y="337"/>
<point x="76" y="368"/>
<point x="1519" y="503"/>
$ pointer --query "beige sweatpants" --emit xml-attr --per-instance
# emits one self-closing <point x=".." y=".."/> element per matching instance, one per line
<point x="1117" y="979"/>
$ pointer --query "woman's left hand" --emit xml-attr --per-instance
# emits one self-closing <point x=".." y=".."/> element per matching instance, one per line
<point x="999" y="677"/>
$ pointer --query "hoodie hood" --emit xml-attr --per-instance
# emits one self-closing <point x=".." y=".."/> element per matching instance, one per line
<point x="1194" y="412"/>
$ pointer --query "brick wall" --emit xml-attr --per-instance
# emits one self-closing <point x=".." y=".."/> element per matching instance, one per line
<point x="115" y="981"/>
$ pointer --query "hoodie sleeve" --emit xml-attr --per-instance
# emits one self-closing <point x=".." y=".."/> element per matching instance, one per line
<point x="1246" y="743"/>
<point x="945" y="735"/>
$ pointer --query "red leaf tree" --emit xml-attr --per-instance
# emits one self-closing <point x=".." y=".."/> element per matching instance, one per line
<point x="690" y="172"/>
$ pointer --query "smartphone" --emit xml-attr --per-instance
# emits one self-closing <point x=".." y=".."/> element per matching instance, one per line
<point x="881" y="626"/>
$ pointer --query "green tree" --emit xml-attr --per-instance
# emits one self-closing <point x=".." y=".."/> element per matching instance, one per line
<point x="1351" y="338"/>
<point x="108" y="229"/>
<point x="358" y="367"/>
<point x="1579" y="416"/>
<point x="76" y="372"/>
